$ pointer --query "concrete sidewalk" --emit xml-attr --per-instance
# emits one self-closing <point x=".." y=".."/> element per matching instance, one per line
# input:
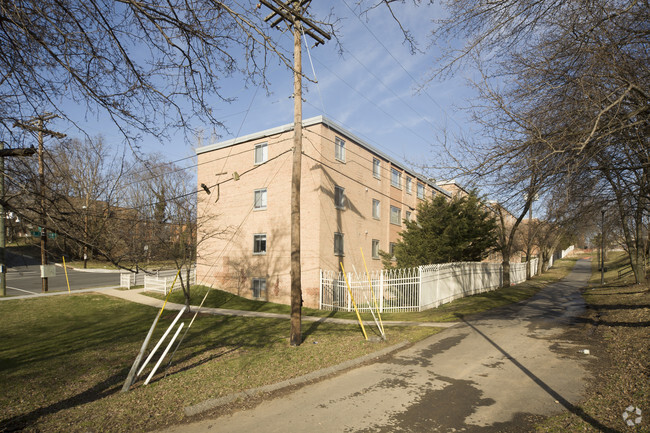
<point x="136" y="296"/>
<point x="495" y="372"/>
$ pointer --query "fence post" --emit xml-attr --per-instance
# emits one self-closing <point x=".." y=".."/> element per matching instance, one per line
<point x="419" y="288"/>
<point x="347" y="293"/>
<point x="320" y="290"/>
<point x="381" y="291"/>
<point x="438" y="286"/>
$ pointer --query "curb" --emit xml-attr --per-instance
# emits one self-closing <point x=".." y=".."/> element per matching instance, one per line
<point x="57" y="293"/>
<point x="221" y="401"/>
<point x="91" y="270"/>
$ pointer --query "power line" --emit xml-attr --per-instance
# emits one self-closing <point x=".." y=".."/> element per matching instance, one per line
<point x="383" y="169"/>
<point x="373" y="103"/>
<point x="359" y="182"/>
<point x="413" y="79"/>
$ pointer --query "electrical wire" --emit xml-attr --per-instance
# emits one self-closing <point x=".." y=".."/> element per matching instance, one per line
<point x="413" y="79"/>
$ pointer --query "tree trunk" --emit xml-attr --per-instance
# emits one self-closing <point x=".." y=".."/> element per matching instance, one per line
<point x="506" y="270"/>
<point x="638" y="265"/>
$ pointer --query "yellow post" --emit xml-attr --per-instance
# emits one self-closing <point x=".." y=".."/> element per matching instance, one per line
<point x="66" y="274"/>
<point x="374" y="298"/>
<point x="356" y="310"/>
<point x="173" y="284"/>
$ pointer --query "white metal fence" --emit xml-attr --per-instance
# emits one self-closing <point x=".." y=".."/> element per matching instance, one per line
<point x="415" y="289"/>
<point x="158" y="281"/>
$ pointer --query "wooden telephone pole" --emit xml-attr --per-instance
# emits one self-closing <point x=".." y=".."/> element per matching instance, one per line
<point x="292" y="12"/>
<point x="37" y="124"/>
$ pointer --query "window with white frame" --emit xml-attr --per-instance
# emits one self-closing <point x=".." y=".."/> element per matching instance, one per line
<point x="408" y="216"/>
<point x="395" y="178"/>
<point x="261" y="153"/>
<point x="391" y="250"/>
<point x="433" y="193"/>
<point x="375" y="249"/>
<point x="376" y="206"/>
<point x="339" y="149"/>
<point x="376" y="168"/>
<point x="395" y="215"/>
<point x="339" y="197"/>
<point x="259" y="288"/>
<point x="260" y="199"/>
<point x="420" y="191"/>
<point x="339" y="249"/>
<point x="409" y="185"/>
<point x="259" y="243"/>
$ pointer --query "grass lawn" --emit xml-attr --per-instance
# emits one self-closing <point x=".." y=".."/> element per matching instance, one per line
<point x="617" y="327"/>
<point x="445" y="313"/>
<point x="63" y="360"/>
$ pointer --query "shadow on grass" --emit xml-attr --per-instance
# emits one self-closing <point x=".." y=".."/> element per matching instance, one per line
<point x="103" y="389"/>
<point x="313" y="327"/>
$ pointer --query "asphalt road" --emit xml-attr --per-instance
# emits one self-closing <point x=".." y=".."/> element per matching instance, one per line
<point x="492" y="373"/>
<point x="24" y="277"/>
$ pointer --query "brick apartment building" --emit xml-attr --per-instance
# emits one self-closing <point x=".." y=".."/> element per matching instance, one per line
<point x="352" y="196"/>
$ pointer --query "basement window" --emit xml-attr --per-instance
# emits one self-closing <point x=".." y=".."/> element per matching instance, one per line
<point x="259" y="288"/>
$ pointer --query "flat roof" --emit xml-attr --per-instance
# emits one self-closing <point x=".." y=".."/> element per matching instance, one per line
<point x="330" y="124"/>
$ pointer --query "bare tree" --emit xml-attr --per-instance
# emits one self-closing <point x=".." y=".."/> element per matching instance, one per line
<point x="162" y="200"/>
<point x="149" y="66"/>
<point x="563" y="97"/>
<point x="84" y="179"/>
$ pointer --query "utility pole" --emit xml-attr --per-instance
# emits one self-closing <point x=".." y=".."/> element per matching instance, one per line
<point x="42" y="131"/>
<point x="292" y="12"/>
<point x="3" y="262"/>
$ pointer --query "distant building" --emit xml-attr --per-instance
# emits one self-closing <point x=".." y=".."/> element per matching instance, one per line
<point x="352" y="196"/>
<point x="453" y="188"/>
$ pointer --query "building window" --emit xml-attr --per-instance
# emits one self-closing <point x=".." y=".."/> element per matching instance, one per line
<point x="391" y="250"/>
<point x="338" y="244"/>
<point x="259" y="288"/>
<point x="339" y="197"/>
<point x="408" y="216"/>
<point x="261" y="153"/>
<point x="376" y="168"/>
<point x="420" y="191"/>
<point x="433" y="193"/>
<point x="376" y="205"/>
<point x="259" y="243"/>
<point x="395" y="215"/>
<point x="375" y="249"/>
<point x="260" y="199"/>
<point x="339" y="149"/>
<point x="409" y="185"/>
<point x="395" y="178"/>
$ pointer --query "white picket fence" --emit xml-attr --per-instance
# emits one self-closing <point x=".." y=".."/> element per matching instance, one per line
<point x="159" y="281"/>
<point x="415" y="289"/>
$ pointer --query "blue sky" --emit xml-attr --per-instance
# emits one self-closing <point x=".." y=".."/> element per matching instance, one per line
<point x="371" y="88"/>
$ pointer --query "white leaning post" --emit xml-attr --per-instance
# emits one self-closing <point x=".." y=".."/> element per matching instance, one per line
<point x="146" y="382"/>
<point x="144" y="364"/>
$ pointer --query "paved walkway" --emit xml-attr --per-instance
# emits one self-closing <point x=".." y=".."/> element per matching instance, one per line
<point x="486" y="375"/>
<point x="137" y="296"/>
